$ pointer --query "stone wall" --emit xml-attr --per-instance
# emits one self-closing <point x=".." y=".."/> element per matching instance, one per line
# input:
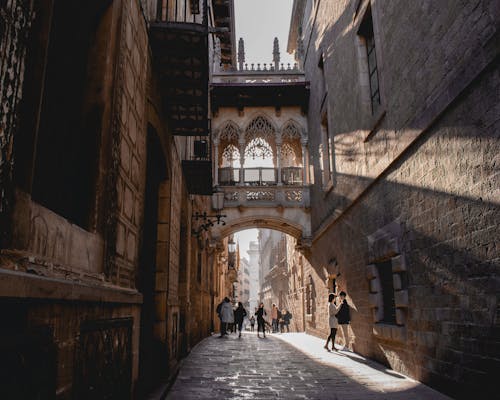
<point x="414" y="184"/>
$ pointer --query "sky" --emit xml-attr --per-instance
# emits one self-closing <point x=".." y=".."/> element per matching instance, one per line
<point x="244" y="238"/>
<point x="258" y="22"/>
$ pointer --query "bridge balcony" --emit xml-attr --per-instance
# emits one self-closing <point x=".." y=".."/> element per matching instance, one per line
<point x="261" y="176"/>
<point x="260" y="188"/>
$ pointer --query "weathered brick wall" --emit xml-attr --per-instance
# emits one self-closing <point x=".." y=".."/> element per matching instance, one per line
<point x="133" y="52"/>
<point x="429" y="168"/>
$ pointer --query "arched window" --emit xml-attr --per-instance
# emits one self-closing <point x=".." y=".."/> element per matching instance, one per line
<point x="259" y="127"/>
<point x="230" y="156"/>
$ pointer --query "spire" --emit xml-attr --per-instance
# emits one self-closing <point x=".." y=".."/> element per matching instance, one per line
<point x="241" y="54"/>
<point x="276" y="54"/>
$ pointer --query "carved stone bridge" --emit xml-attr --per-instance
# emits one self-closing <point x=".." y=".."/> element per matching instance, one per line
<point x="260" y="150"/>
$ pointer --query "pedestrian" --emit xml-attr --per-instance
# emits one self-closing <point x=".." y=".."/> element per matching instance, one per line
<point x="252" y="323"/>
<point x="260" y="313"/>
<point x="274" y="318"/>
<point x="226" y="316"/>
<point x="282" y="320"/>
<point x="287" y="316"/>
<point x="239" y="315"/>
<point x="332" y="321"/>
<point x="344" y="318"/>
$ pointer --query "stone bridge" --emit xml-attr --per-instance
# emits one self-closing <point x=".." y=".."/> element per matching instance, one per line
<point x="283" y="208"/>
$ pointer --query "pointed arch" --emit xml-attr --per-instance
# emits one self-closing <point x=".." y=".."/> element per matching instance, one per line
<point x="291" y="129"/>
<point x="229" y="131"/>
<point x="260" y="126"/>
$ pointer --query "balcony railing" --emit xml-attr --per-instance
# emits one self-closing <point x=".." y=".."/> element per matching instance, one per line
<point x="266" y="196"/>
<point x="260" y="176"/>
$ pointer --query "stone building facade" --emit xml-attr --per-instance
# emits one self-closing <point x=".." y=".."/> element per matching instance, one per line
<point x="103" y="286"/>
<point x="244" y="283"/>
<point x="403" y="133"/>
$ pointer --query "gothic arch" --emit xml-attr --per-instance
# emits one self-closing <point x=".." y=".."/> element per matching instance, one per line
<point x="291" y="129"/>
<point x="261" y="129"/>
<point x="229" y="131"/>
<point x="291" y="134"/>
<point x="228" y="137"/>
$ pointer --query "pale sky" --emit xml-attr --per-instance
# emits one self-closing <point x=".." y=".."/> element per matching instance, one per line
<point x="258" y="22"/>
<point x="244" y="238"/>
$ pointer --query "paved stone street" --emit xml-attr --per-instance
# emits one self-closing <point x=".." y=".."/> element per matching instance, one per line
<point x="292" y="366"/>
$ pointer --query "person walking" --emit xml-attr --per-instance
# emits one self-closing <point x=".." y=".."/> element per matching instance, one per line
<point x="239" y="315"/>
<point x="274" y="318"/>
<point x="261" y="323"/>
<point x="252" y="323"/>
<point x="332" y="321"/>
<point x="287" y="316"/>
<point x="344" y="319"/>
<point x="226" y="316"/>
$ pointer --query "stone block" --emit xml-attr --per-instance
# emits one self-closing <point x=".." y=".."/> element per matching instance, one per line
<point x="396" y="281"/>
<point x="401" y="298"/>
<point x="371" y="271"/>
<point x="161" y="284"/>
<point x="400" y="316"/>
<point x="398" y="263"/>
<point x="128" y="202"/>
<point x="120" y="239"/>
<point x="163" y="232"/>
<point x="375" y="299"/>
<point x="131" y="246"/>
<point x="375" y="286"/>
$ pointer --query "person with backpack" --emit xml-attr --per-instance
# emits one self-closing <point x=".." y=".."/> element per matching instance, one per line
<point x="344" y="319"/>
<point x="239" y="315"/>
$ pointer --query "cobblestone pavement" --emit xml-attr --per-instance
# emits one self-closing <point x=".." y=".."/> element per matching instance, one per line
<point x="291" y="366"/>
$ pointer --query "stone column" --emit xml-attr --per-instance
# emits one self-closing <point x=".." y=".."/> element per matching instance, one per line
<point x="216" y="163"/>
<point x="278" y="161"/>
<point x="305" y="163"/>
<point x="242" y="162"/>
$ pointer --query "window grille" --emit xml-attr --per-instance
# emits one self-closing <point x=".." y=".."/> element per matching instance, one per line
<point x="366" y="32"/>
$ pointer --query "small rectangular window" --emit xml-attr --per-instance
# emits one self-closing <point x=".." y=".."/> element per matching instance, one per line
<point x="326" y="150"/>
<point x="199" y="268"/>
<point x="386" y="282"/>
<point x="366" y="32"/>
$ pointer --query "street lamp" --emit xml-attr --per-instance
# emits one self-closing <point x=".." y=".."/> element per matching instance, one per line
<point x="231" y="246"/>
<point x="231" y="253"/>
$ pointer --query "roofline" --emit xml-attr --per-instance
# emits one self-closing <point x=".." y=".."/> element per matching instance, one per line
<point x="295" y="21"/>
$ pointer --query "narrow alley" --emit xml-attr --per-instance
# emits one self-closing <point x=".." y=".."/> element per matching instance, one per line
<point x="292" y="366"/>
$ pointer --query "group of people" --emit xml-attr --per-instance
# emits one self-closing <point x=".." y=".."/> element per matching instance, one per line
<point x="229" y="318"/>
<point x="279" y="319"/>
<point x="338" y="318"/>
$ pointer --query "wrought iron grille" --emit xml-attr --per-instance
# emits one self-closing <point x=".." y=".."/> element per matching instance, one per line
<point x="15" y="22"/>
<point x="27" y="363"/>
<point x="104" y="360"/>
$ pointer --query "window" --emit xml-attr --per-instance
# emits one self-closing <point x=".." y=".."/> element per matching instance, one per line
<point x="366" y="33"/>
<point x="326" y="156"/>
<point x="387" y="286"/>
<point x="71" y="109"/>
<point x="199" y="264"/>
